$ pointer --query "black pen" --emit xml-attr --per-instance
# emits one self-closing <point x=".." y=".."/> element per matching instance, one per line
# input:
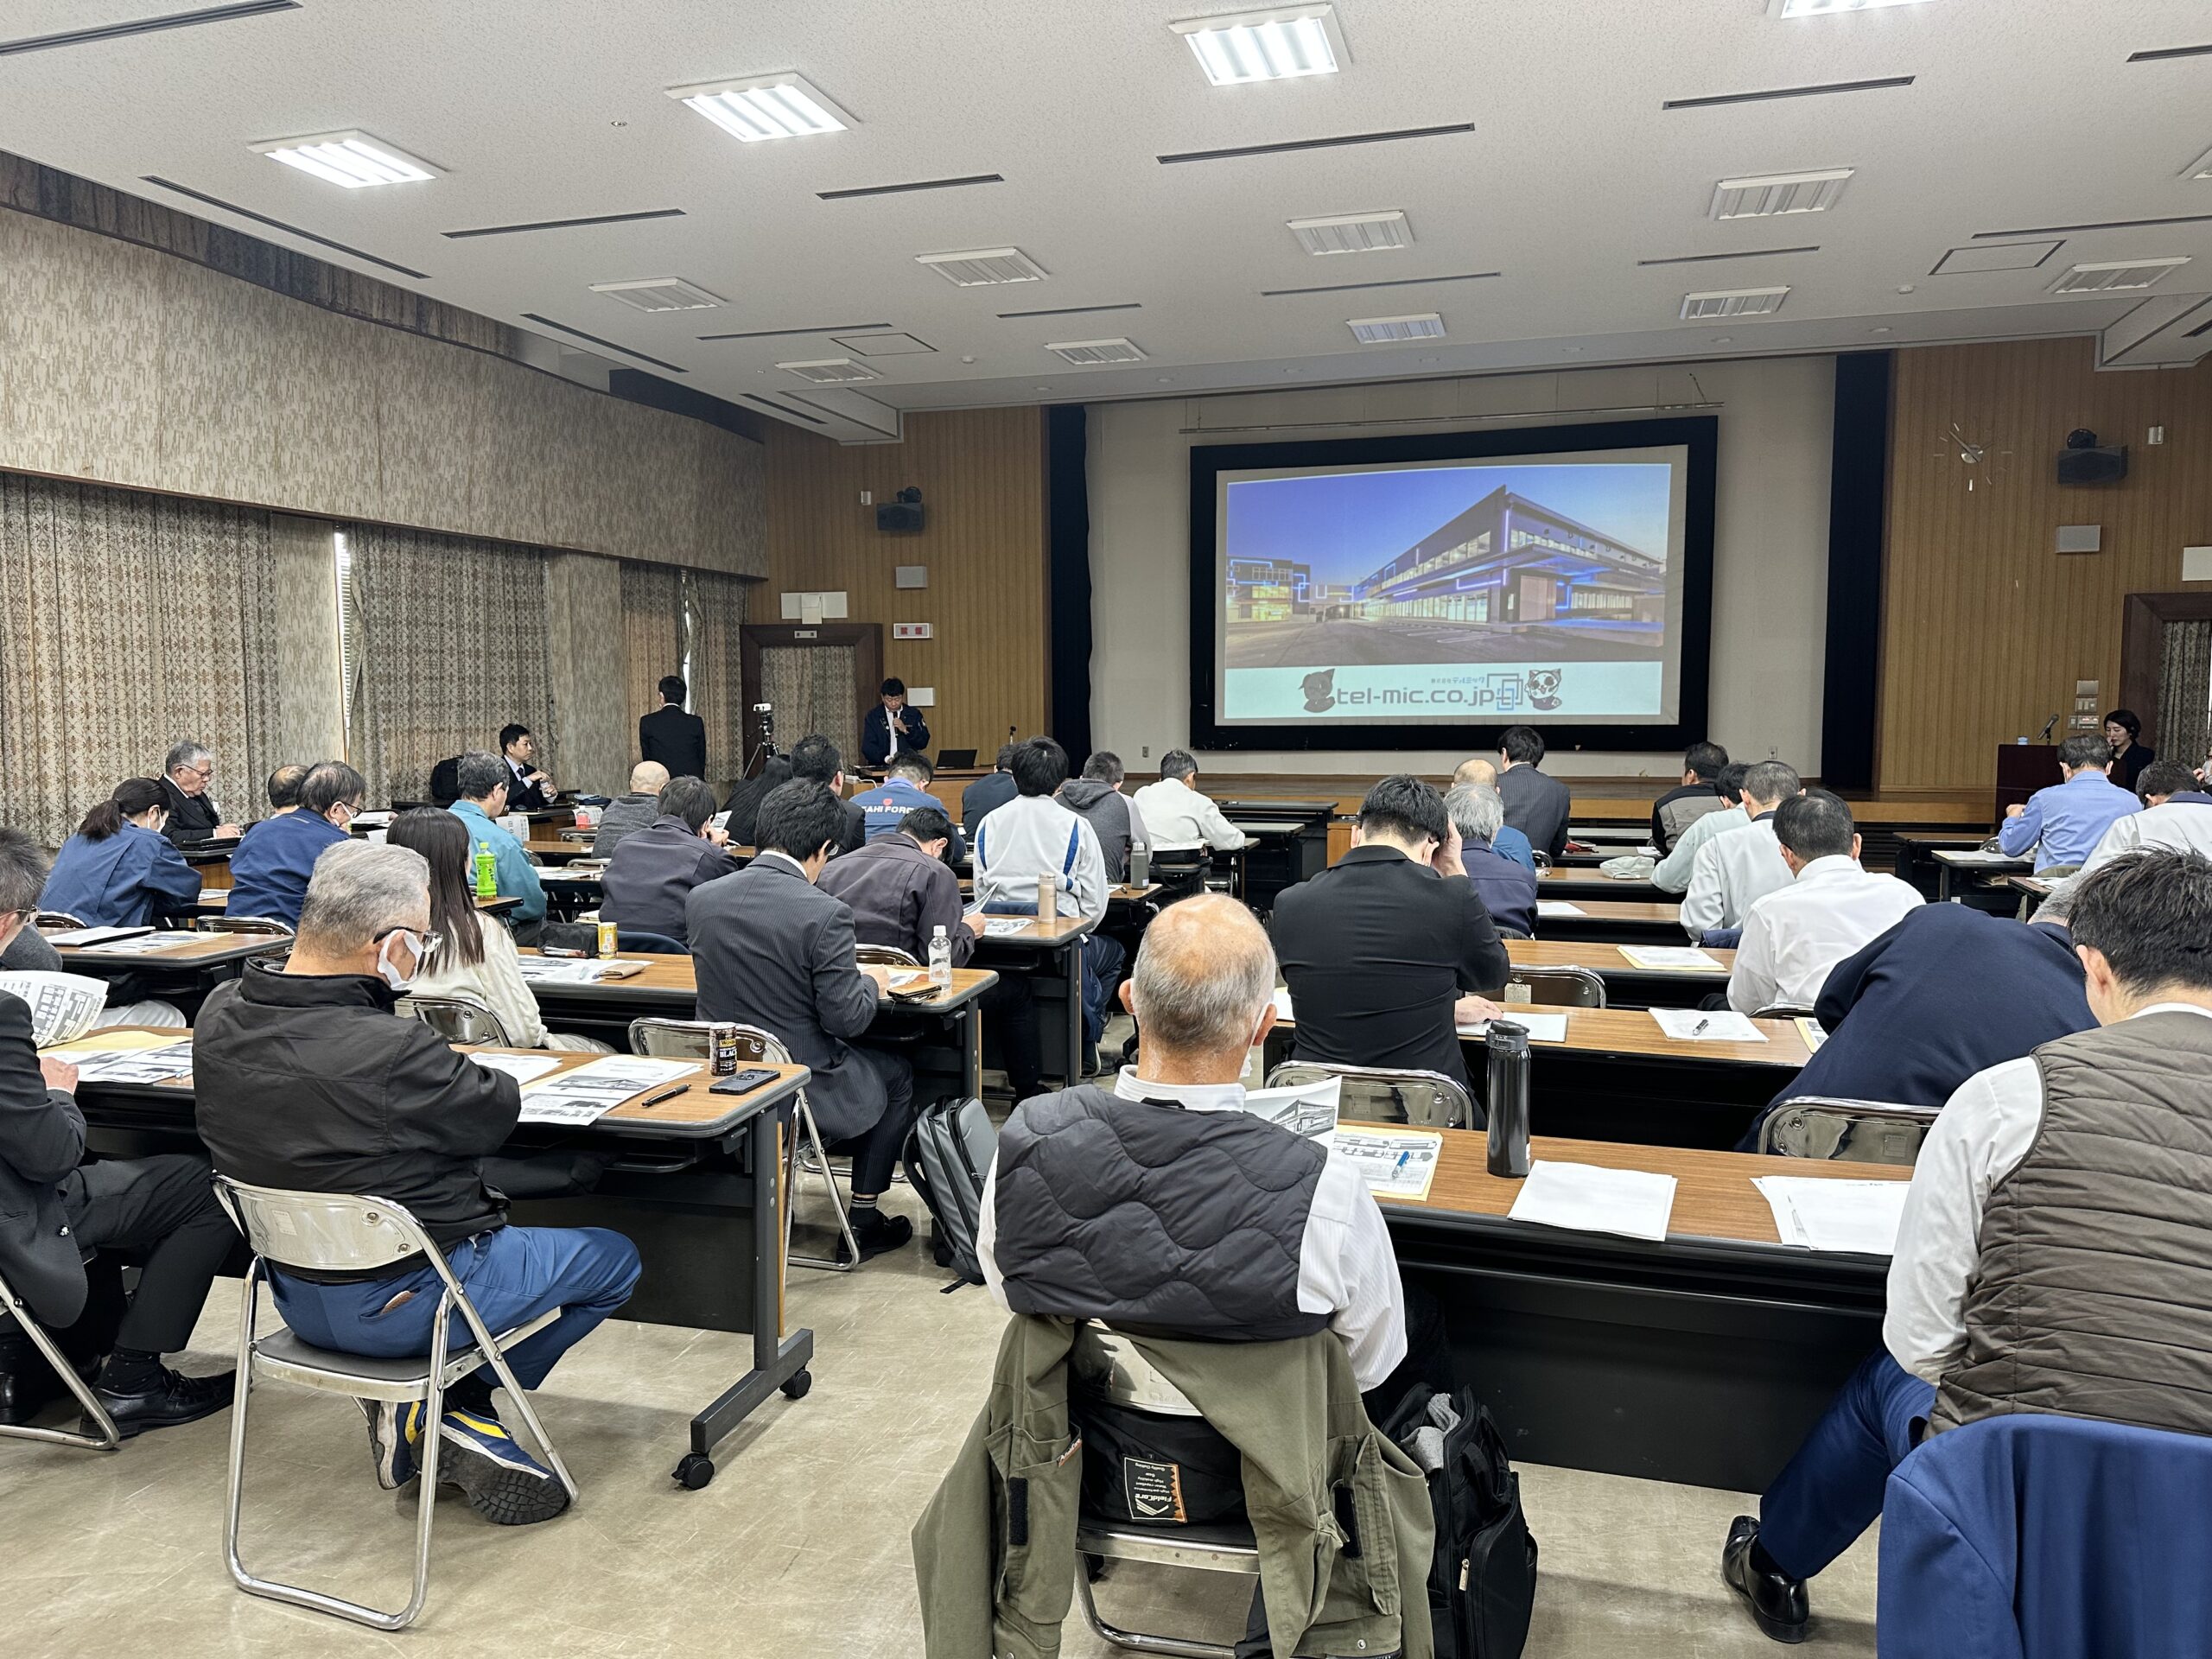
<point x="665" y="1094"/>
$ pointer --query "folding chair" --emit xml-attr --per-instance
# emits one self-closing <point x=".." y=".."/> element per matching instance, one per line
<point x="1376" y="1094"/>
<point x="884" y="956"/>
<point x="1556" y="988"/>
<point x="332" y="1232"/>
<point x="688" y="1039"/>
<point x="1846" y="1131"/>
<point x="260" y="924"/>
<point x="1783" y="1010"/>
<point x="109" y="1436"/>
<point x="456" y="1018"/>
<point x="58" y="920"/>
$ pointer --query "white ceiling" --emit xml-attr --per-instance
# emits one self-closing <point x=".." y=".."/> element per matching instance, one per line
<point x="2022" y="114"/>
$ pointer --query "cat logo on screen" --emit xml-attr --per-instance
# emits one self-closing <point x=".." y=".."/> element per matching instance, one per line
<point x="1320" y="691"/>
<point x="1543" y="687"/>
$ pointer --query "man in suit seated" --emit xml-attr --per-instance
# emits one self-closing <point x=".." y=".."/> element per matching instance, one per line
<point x="676" y="740"/>
<point x="2056" y="1250"/>
<point x="529" y="789"/>
<point x="1507" y="890"/>
<point x="904" y="789"/>
<point x="901" y="892"/>
<point x="1795" y="935"/>
<point x="2177" y="816"/>
<point x="1672" y="874"/>
<point x="891" y="728"/>
<point x="628" y="814"/>
<point x="773" y="949"/>
<point x="1698" y="794"/>
<point x="2064" y="823"/>
<point x="1508" y="843"/>
<point x="194" y="815"/>
<point x="1946" y="992"/>
<point x="269" y="870"/>
<point x="649" y="878"/>
<point x="54" y="1208"/>
<point x="1535" y="804"/>
<point x="1737" y="868"/>
<point x="482" y="779"/>
<point x="815" y="759"/>
<point x="1388" y="953"/>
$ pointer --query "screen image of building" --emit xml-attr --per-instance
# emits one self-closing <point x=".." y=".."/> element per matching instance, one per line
<point x="1268" y="590"/>
<point x="1510" y="559"/>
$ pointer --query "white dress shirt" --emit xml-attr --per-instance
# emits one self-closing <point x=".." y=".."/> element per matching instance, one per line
<point x="1979" y="1137"/>
<point x="1794" y="936"/>
<point x="1346" y="1266"/>
<point x="2178" y="826"/>
<point x="1176" y="816"/>
<point x="1672" y="874"/>
<point x="1733" y="870"/>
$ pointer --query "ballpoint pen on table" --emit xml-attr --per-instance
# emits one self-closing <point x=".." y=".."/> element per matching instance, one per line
<point x="665" y="1094"/>
<point x="1698" y="1030"/>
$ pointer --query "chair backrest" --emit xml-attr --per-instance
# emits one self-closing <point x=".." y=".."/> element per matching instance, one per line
<point x="1782" y="1011"/>
<point x="1106" y="1364"/>
<point x="262" y="924"/>
<point x="1556" y="988"/>
<point x="1377" y="1095"/>
<point x="321" y="1232"/>
<point x="690" y="1039"/>
<point x="884" y="956"/>
<point x="1543" y="860"/>
<point x="445" y="781"/>
<point x="1848" y="1131"/>
<point x="456" y="1018"/>
<point x="55" y="918"/>
<point x="654" y="944"/>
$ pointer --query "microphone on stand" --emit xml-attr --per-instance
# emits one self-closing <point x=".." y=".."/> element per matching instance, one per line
<point x="2043" y="736"/>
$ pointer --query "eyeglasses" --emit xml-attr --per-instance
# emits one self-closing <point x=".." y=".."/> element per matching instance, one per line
<point x="426" y="945"/>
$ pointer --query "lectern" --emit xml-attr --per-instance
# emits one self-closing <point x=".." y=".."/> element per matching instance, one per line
<point x="2022" y="769"/>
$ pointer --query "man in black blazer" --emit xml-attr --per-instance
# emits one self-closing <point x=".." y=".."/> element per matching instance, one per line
<point x="1382" y="952"/>
<point x="774" y="951"/>
<point x="529" y="789"/>
<point x="1535" y="804"/>
<point x="194" y="815"/>
<point x="891" y="727"/>
<point x="668" y="735"/>
<point x="815" y="759"/>
<point x="54" y="1209"/>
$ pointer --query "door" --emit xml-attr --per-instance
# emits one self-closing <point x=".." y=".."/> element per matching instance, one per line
<point x="817" y="680"/>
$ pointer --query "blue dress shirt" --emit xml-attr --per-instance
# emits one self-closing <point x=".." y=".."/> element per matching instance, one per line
<point x="126" y="879"/>
<point x="269" y="870"/>
<point x="516" y="875"/>
<point x="2065" y="822"/>
<point x="1510" y="842"/>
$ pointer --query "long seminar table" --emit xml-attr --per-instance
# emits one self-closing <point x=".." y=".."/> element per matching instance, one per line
<point x="1575" y="886"/>
<point x="1627" y="984"/>
<point x="1611" y="921"/>
<point x="1702" y="1359"/>
<point x="682" y="1171"/>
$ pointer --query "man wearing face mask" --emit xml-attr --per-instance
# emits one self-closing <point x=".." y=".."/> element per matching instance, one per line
<point x="308" y="1080"/>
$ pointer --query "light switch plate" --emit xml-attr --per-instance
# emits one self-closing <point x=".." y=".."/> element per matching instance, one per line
<point x="913" y="629"/>
<point x="910" y="575"/>
<point x="2196" y="564"/>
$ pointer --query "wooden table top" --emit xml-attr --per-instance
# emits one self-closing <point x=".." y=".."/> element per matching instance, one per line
<point x="1586" y="876"/>
<point x="219" y="899"/>
<point x="1668" y="913"/>
<point x="1606" y="959"/>
<point x="1713" y="1195"/>
<point x="1057" y="931"/>
<point x="198" y="950"/>
<point x="679" y="975"/>
<point x="559" y="852"/>
<point x="1633" y="1034"/>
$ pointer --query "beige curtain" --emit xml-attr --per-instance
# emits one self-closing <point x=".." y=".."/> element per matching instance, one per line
<point x="653" y="633"/>
<point x="128" y="621"/>
<point x="713" y="621"/>
<point x="2185" y="693"/>
<point x="451" y="643"/>
<point x="812" y="689"/>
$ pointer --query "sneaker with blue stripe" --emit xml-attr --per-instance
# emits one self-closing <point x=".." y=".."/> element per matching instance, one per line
<point x="394" y="1431"/>
<point x="503" y="1483"/>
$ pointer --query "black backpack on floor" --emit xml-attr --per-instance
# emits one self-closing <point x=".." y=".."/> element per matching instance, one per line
<point x="1481" y="1584"/>
<point x="947" y="1155"/>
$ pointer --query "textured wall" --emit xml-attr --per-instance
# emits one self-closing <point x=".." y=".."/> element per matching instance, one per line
<point x="124" y="365"/>
<point x="593" y="728"/>
<point x="308" y="722"/>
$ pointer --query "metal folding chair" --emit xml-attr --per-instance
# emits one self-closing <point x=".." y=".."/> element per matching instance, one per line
<point x="57" y="919"/>
<point x="1783" y="1010"/>
<point x="688" y="1039"/>
<point x="884" y="956"/>
<point x="1377" y="1095"/>
<point x="109" y="1436"/>
<point x="337" y="1233"/>
<point x="263" y="924"/>
<point x="1846" y="1131"/>
<point x="1556" y="988"/>
<point x="456" y="1018"/>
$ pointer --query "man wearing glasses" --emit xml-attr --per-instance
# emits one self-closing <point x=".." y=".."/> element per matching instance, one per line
<point x="193" y="816"/>
<point x="308" y="1080"/>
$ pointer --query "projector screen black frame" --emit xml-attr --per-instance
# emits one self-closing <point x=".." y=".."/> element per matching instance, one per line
<point x="1698" y="435"/>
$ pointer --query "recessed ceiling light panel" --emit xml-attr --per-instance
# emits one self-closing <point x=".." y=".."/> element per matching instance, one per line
<point x="1734" y="302"/>
<point x="983" y="267"/>
<point x="1098" y="351"/>
<point x="1829" y="7"/>
<point x="352" y="159"/>
<point x="2201" y="167"/>
<point x="1280" y="43"/>
<point x="1771" y="194"/>
<point x="659" y="294"/>
<point x="1384" y="331"/>
<point x="2115" y="276"/>
<point x="830" y="370"/>
<point x="1353" y="232"/>
<point x="760" y="107"/>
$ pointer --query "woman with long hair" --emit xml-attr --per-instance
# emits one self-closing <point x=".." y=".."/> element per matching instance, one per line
<point x="119" y="870"/>
<point x="476" y="957"/>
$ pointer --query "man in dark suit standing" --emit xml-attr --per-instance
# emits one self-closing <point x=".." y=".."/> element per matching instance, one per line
<point x="891" y="727"/>
<point x="774" y="951"/>
<point x="1382" y="952"/>
<point x="1535" y="805"/>
<point x="671" y="736"/>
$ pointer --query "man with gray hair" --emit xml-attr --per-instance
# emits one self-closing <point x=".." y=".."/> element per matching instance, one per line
<point x="628" y="814"/>
<point x="1739" y="868"/>
<point x="193" y="816"/>
<point x="482" y="779"/>
<point x="1507" y="889"/>
<point x="307" y="1079"/>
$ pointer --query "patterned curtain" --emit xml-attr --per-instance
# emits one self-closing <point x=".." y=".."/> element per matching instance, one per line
<point x="131" y="621"/>
<point x="2185" y="693"/>
<point x="714" y="618"/>
<point x="450" y="644"/>
<point x="812" y="689"/>
<point x="652" y="634"/>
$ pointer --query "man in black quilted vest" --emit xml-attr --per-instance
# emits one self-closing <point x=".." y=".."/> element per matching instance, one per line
<point x="2056" y="1250"/>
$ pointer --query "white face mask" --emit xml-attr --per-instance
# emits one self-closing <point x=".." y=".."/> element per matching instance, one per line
<point x="388" y="970"/>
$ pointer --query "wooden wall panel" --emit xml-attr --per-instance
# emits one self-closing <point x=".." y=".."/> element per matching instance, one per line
<point x="981" y="475"/>
<point x="1984" y="628"/>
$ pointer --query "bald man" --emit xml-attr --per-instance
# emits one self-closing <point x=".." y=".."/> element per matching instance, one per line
<point x="1508" y="843"/>
<point x="630" y="813"/>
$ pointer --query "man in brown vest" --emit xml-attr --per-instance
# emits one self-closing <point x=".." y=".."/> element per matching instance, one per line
<point x="2055" y="1251"/>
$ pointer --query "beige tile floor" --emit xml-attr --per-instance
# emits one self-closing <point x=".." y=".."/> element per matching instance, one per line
<point x="800" y="1546"/>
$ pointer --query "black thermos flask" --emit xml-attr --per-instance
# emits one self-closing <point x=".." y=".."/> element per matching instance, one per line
<point x="1508" y="1098"/>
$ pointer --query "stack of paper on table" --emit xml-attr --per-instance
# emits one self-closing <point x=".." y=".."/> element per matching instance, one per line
<point x="115" y="1060"/>
<point x="1585" y="1198"/>
<point x="1557" y="907"/>
<point x="578" y="971"/>
<point x="1695" y="1026"/>
<point x="1679" y="957"/>
<point x="522" y="1068"/>
<point x="1394" y="1163"/>
<point x="589" y="1092"/>
<point x="1860" y="1217"/>
<point x="82" y="937"/>
<point x="145" y="944"/>
<point x="1541" y="1028"/>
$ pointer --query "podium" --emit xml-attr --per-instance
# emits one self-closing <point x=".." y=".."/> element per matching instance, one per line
<point x="2022" y="769"/>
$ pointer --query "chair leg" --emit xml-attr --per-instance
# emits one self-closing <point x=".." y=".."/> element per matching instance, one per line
<point x="497" y="1357"/>
<point x="98" y="1433"/>
<point x="1137" y="1641"/>
<point x="804" y="1117"/>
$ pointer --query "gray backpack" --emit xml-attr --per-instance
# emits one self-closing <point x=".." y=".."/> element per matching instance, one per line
<point x="947" y="1155"/>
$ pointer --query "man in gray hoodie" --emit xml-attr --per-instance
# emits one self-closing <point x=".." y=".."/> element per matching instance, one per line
<point x="1097" y="797"/>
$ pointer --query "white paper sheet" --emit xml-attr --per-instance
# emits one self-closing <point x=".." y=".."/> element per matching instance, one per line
<point x="1542" y="1027"/>
<point x="998" y="927"/>
<point x="64" y="1006"/>
<point x="1557" y="907"/>
<point x="1813" y="1031"/>
<point x="132" y="1064"/>
<point x="1394" y="1163"/>
<point x="1680" y="957"/>
<point x="1282" y="1004"/>
<point x="1632" y="1203"/>
<point x="1696" y="1026"/>
<point x="1309" y="1110"/>
<point x="81" y="936"/>
<point x="572" y="970"/>
<point x="1860" y="1217"/>
<point x="146" y="945"/>
<point x="590" y="1091"/>
<point x="522" y="1068"/>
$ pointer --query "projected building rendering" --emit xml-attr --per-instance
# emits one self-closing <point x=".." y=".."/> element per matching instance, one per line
<point x="1510" y="559"/>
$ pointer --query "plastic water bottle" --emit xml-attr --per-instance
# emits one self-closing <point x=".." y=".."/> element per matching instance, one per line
<point x="1508" y="1090"/>
<point x="940" y="958"/>
<point x="487" y="872"/>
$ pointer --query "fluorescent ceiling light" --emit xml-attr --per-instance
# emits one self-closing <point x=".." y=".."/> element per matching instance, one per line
<point x="1382" y="331"/>
<point x="2201" y="167"/>
<point x="1770" y="194"/>
<point x="1353" y="232"/>
<point x="830" y="370"/>
<point x="764" y="106"/>
<point x="1734" y="302"/>
<point x="1282" y="43"/>
<point x="659" y="294"/>
<point x="350" y="159"/>
<point x="2115" y="276"/>
<point x="1098" y="351"/>
<point x="983" y="267"/>
<point x="1829" y="7"/>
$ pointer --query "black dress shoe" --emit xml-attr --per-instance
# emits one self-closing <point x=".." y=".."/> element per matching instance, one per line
<point x="876" y="1233"/>
<point x="1777" y="1600"/>
<point x="25" y="1393"/>
<point x="176" y="1399"/>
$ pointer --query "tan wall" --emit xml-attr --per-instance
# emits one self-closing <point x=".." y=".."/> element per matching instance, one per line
<point x="1985" y="629"/>
<point x="981" y="475"/>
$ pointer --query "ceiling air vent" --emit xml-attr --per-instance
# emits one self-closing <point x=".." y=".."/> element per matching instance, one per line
<point x="1096" y="351"/>
<point x="1383" y="330"/>
<point x="659" y="294"/>
<point x="1734" y="302"/>
<point x="1770" y="194"/>
<point x="2114" y="276"/>
<point x="830" y="370"/>
<point x="1353" y="232"/>
<point x="982" y="267"/>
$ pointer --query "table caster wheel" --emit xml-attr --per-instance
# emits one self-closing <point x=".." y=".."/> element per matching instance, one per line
<point x="799" y="1384"/>
<point x="695" y="1470"/>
